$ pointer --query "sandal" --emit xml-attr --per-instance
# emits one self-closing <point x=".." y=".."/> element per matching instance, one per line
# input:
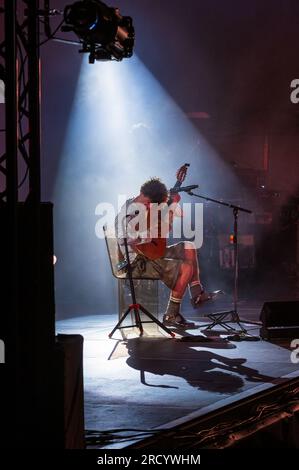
<point x="203" y="297"/>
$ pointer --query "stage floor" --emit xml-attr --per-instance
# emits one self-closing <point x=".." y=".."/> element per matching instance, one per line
<point x="148" y="382"/>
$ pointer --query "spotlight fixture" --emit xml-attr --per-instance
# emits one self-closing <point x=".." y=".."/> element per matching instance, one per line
<point x="105" y="34"/>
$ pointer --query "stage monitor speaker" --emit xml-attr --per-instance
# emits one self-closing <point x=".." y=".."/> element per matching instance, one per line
<point x="280" y="320"/>
<point x="69" y="389"/>
<point x="27" y="324"/>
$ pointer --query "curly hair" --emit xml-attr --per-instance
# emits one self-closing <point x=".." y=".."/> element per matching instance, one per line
<point x="155" y="190"/>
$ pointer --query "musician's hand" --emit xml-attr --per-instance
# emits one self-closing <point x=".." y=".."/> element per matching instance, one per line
<point x="175" y="197"/>
<point x="176" y="209"/>
<point x="139" y="240"/>
<point x="132" y="241"/>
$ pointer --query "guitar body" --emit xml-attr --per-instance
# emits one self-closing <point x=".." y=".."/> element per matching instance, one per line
<point x="152" y="250"/>
<point x="156" y="247"/>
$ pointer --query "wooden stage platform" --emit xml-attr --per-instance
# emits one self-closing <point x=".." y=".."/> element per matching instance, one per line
<point x="151" y="382"/>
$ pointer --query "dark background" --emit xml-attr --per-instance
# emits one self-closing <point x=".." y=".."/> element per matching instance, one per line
<point x="233" y="60"/>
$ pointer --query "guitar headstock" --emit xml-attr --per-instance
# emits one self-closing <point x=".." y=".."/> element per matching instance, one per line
<point x="182" y="172"/>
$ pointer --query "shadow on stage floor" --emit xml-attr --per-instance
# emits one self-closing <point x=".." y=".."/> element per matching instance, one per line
<point x="148" y="382"/>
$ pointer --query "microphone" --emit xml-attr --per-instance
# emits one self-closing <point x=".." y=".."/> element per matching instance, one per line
<point x="185" y="189"/>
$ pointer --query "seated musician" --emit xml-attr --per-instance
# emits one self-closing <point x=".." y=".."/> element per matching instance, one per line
<point x="177" y="266"/>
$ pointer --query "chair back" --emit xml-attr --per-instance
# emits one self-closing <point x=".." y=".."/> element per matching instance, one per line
<point x="114" y="253"/>
<point x="116" y="257"/>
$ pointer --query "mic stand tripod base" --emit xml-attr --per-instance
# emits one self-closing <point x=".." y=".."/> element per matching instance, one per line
<point x="138" y="323"/>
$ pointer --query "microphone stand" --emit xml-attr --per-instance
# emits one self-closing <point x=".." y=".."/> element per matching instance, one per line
<point x="221" y="316"/>
<point x="134" y="306"/>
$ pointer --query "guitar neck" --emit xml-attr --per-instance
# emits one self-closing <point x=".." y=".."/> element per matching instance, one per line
<point x="181" y="174"/>
<point x="178" y="184"/>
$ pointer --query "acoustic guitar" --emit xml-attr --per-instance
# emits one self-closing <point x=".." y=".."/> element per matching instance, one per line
<point x="157" y="246"/>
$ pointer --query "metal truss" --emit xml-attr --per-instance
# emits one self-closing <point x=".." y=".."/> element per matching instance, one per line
<point x="19" y="53"/>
